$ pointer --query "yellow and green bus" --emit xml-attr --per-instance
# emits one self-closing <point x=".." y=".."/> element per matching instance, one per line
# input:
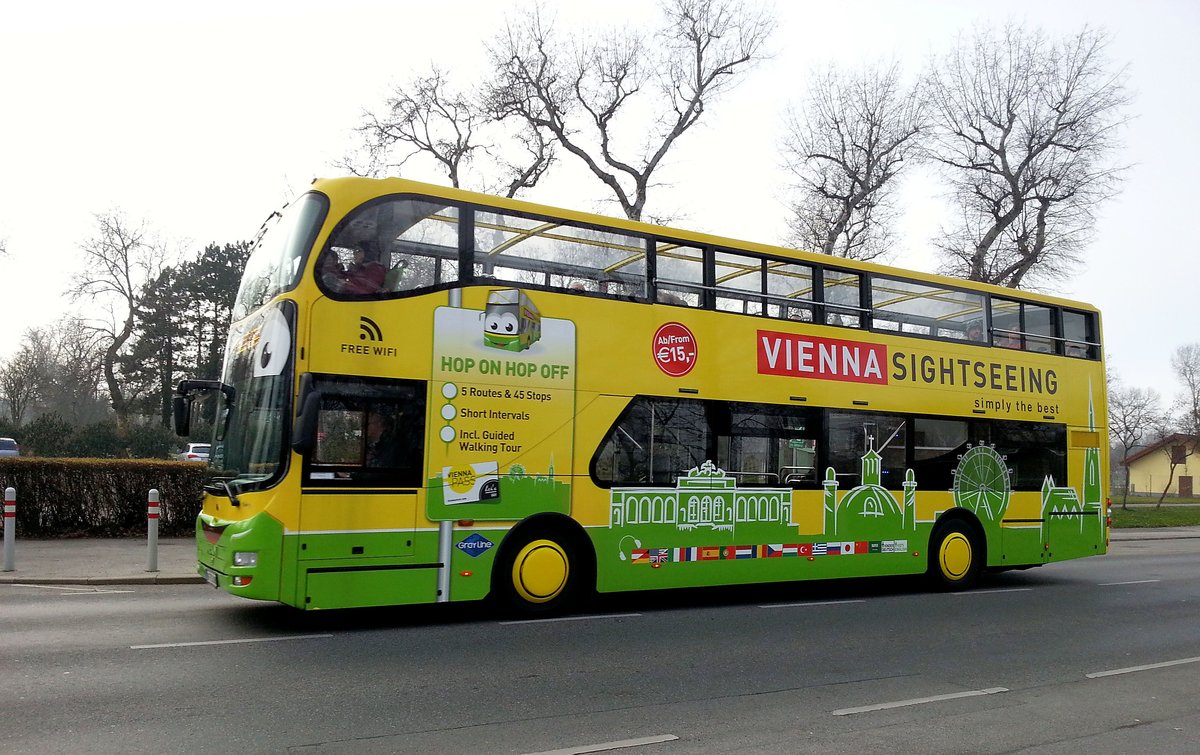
<point x="534" y="403"/>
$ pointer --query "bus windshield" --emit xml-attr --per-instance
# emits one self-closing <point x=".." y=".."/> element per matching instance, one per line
<point x="251" y="428"/>
<point x="274" y="264"/>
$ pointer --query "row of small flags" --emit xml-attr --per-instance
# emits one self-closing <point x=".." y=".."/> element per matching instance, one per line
<point x="797" y="550"/>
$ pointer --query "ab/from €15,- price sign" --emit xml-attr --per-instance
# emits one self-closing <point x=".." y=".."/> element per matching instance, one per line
<point x="674" y="349"/>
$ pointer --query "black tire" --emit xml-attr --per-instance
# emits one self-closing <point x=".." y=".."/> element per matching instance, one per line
<point x="956" y="556"/>
<point x="539" y="573"/>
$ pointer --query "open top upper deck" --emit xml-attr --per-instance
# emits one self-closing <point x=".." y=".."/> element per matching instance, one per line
<point x="424" y="237"/>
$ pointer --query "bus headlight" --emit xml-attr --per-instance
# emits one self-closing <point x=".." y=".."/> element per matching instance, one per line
<point x="245" y="558"/>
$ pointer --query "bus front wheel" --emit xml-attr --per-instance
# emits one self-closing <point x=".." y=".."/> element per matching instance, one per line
<point x="955" y="556"/>
<point x="540" y="574"/>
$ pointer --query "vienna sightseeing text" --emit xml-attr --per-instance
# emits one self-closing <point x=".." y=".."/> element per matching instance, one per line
<point x="506" y="367"/>
<point x="861" y="362"/>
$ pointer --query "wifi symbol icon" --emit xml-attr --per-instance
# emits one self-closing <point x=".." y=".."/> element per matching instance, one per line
<point x="370" y="331"/>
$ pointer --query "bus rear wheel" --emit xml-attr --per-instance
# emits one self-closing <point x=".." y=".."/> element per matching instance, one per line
<point x="540" y="574"/>
<point x="955" y="556"/>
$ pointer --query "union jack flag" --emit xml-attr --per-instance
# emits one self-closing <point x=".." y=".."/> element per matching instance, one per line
<point x="660" y="555"/>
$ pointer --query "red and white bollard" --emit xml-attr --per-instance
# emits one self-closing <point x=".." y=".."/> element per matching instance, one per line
<point x="10" y="528"/>
<point x="152" y="510"/>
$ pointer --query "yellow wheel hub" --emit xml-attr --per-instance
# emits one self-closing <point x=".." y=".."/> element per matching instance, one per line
<point x="954" y="555"/>
<point x="540" y="571"/>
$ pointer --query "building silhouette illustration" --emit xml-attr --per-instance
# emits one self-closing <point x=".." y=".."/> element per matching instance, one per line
<point x="705" y="497"/>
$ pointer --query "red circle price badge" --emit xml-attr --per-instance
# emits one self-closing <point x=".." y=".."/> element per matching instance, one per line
<point x="674" y="349"/>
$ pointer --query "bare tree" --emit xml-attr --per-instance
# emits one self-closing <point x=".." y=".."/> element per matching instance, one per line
<point x="429" y="117"/>
<point x="55" y="369"/>
<point x="1186" y="363"/>
<point x="20" y="381"/>
<point x="844" y="145"/>
<point x="118" y="262"/>
<point x="1178" y="448"/>
<point x="589" y="93"/>
<point x="426" y="116"/>
<point x="1026" y="128"/>
<point x="1182" y="426"/>
<point x="72" y="387"/>
<point x="1132" y="414"/>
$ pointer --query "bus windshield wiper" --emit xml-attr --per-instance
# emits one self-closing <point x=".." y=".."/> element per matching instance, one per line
<point x="218" y="485"/>
<point x="229" y="491"/>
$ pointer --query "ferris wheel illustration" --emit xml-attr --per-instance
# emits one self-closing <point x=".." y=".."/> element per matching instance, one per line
<point x="982" y="482"/>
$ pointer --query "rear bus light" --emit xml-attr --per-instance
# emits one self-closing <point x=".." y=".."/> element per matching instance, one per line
<point x="241" y="581"/>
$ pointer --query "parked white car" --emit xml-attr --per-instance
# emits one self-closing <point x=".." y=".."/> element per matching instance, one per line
<point x="195" y="452"/>
<point x="9" y="447"/>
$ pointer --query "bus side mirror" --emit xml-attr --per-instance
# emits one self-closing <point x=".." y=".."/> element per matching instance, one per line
<point x="304" y="435"/>
<point x="181" y="407"/>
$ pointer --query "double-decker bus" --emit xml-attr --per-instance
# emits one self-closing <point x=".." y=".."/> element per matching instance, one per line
<point x="683" y="410"/>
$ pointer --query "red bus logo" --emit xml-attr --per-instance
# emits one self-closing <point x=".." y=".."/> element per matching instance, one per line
<point x="674" y="349"/>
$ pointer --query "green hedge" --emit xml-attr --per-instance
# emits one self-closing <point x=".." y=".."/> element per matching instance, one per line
<point x="101" y="497"/>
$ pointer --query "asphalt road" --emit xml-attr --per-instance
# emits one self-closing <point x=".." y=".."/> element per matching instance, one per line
<point x="1048" y="660"/>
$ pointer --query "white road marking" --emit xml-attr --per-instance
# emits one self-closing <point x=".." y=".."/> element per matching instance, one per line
<point x="1138" y="582"/>
<point x="573" y="618"/>
<point x="1147" y="667"/>
<point x="78" y="589"/>
<point x="606" y="746"/>
<point x="813" y="603"/>
<point x="230" y="642"/>
<point x="100" y="592"/>
<point x="992" y="592"/>
<point x="919" y="701"/>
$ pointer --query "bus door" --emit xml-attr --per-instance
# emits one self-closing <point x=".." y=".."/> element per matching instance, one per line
<point x="362" y="472"/>
<point x="1075" y="514"/>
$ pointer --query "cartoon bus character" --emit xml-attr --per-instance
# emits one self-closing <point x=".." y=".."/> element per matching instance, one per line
<point x="511" y="321"/>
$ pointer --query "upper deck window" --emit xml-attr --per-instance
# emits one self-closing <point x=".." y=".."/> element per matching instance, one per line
<point x="274" y="264"/>
<point x="397" y="244"/>
<point x="1079" y="334"/>
<point x="843" y="298"/>
<point x="1039" y="329"/>
<point x="739" y="280"/>
<point x="910" y="307"/>
<point x="680" y="274"/>
<point x="557" y="254"/>
<point x="790" y="291"/>
<point x="1044" y="329"/>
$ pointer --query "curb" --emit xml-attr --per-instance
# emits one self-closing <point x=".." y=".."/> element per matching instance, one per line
<point x="146" y="580"/>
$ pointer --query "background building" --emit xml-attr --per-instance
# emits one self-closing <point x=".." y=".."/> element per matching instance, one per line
<point x="1150" y="468"/>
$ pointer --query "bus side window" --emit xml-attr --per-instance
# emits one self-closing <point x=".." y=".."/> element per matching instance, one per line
<point x="339" y="430"/>
<point x="368" y="433"/>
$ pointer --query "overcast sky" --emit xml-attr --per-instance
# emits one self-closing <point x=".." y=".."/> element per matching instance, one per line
<point x="201" y="118"/>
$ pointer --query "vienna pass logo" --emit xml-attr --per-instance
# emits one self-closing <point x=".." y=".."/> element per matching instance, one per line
<point x="821" y="358"/>
<point x="674" y="349"/>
